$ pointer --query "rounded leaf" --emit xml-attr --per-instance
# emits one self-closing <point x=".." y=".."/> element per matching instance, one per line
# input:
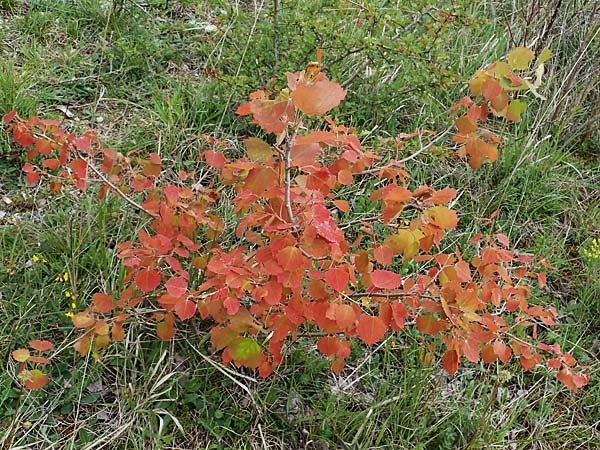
<point x="371" y="329"/>
<point x="384" y="279"/>
<point x="318" y="98"/>
<point x="103" y="303"/>
<point x="148" y="280"/>
<point x="520" y="58"/>
<point x="246" y="352"/>
<point x="21" y="355"/>
<point x="33" y="379"/>
<point x="41" y="346"/>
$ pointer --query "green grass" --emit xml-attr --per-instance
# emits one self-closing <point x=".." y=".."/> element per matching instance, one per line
<point x="153" y="75"/>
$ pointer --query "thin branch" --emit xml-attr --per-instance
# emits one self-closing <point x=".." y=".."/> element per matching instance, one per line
<point x="357" y="221"/>
<point x="288" y="169"/>
<point x="119" y="192"/>
<point x="414" y="155"/>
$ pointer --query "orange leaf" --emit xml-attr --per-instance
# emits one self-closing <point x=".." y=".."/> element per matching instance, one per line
<point x="33" y="379"/>
<point x="165" y="330"/>
<point x="291" y="259"/>
<point x="319" y="97"/>
<point x="370" y="329"/>
<point x="384" y="279"/>
<point x="41" y="346"/>
<point x="51" y="163"/>
<point x="21" y="355"/>
<point x="345" y="316"/>
<point x="82" y="320"/>
<point x="465" y="126"/>
<point x="328" y="345"/>
<point x="442" y="216"/>
<point x="491" y="89"/>
<point x="103" y="303"/>
<point x="342" y="205"/>
<point x="429" y="324"/>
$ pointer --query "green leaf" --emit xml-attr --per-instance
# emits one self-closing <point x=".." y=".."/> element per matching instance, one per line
<point x="544" y="56"/>
<point x="520" y="58"/>
<point x="515" y="108"/>
<point x="246" y="352"/>
<point x="258" y="150"/>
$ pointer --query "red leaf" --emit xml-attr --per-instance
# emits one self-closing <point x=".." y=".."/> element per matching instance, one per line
<point x="450" y="361"/>
<point x="399" y="313"/>
<point x="8" y="117"/>
<point x="103" y="303"/>
<point x="83" y="143"/>
<point x="176" y="286"/>
<point x="51" y="163"/>
<point x="370" y="329"/>
<point x="232" y="305"/>
<point x="79" y="167"/>
<point x="39" y="360"/>
<point x="337" y="278"/>
<point x="319" y="97"/>
<point x="503" y="239"/>
<point x="502" y="350"/>
<point x="185" y="309"/>
<point x="215" y="159"/>
<point x="41" y="346"/>
<point x="384" y="279"/>
<point x="32" y="177"/>
<point x="148" y="280"/>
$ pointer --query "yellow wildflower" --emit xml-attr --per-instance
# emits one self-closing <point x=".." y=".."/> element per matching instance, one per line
<point x="69" y="314"/>
<point x="35" y="258"/>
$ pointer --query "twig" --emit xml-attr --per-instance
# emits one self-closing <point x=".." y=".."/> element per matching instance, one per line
<point x="288" y="169"/>
<point x="119" y="192"/>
